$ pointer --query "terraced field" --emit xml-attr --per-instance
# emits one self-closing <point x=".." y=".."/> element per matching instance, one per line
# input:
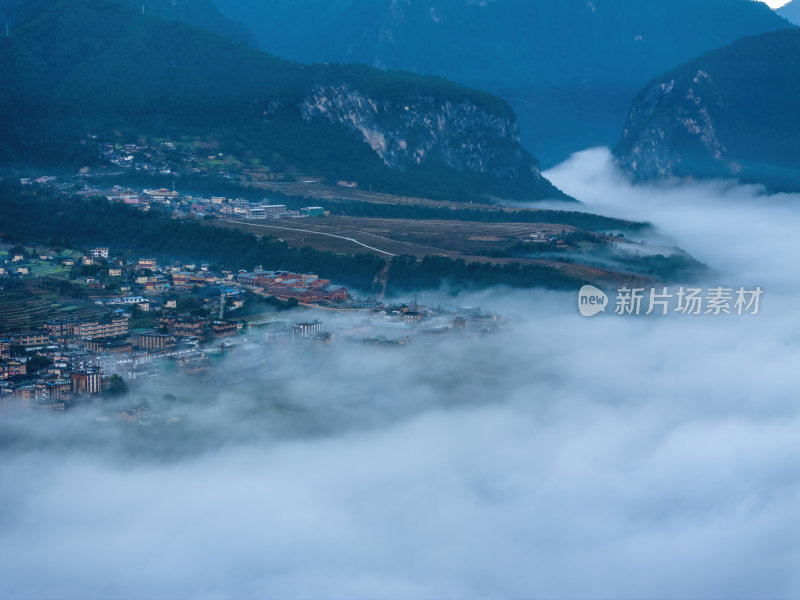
<point x="47" y="269"/>
<point x="27" y="308"/>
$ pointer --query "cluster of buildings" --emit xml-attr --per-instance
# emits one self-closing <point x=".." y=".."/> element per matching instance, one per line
<point x="285" y="285"/>
<point x="185" y="205"/>
<point x="145" y="284"/>
<point x="73" y="358"/>
<point x="67" y="358"/>
<point x="213" y="207"/>
<point x="383" y="326"/>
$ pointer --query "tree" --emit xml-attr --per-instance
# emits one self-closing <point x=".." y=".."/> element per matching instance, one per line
<point x="116" y="387"/>
<point x="37" y="362"/>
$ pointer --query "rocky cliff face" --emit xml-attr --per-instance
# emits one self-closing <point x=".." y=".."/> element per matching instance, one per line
<point x="730" y="113"/>
<point x="666" y="121"/>
<point x="569" y="68"/>
<point x="459" y="134"/>
<point x="147" y="76"/>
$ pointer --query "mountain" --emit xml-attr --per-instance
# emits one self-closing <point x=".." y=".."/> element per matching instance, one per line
<point x="97" y="67"/>
<point x="569" y="68"/>
<point x="202" y="13"/>
<point x="730" y="113"/>
<point x="791" y="12"/>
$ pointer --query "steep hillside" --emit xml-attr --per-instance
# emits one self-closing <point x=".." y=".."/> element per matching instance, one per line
<point x="202" y="13"/>
<point x="730" y="113"/>
<point x="570" y="68"/>
<point x="97" y="67"/>
<point x="791" y="12"/>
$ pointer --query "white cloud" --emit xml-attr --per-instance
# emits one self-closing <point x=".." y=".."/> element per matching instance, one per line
<point x="775" y="3"/>
<point x="568" y="458"/>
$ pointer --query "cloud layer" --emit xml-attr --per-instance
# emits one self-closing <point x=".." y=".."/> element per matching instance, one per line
<point x="609" y="457"/>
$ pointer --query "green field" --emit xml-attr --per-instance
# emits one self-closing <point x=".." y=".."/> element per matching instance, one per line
<point x="47" y="269"/>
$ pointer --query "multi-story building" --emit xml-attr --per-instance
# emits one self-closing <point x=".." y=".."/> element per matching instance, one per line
<point x="9" y="368"/>
<point x="256" y="212"/>
<point x="190" y="327"/>
<point x="59" y="389"/>
<point x="147" y="263"/>
<point x="28" y="393"/>
<point x="273" y="211"/>
<point x="182" y="278"/>
<point x="155" y="284"/>
<point x="113" y="327"/>
<point x="307" y="328"/>
<point x="60" y="330"/>
<point x="31" y="338"/>
<point x="155" y="341"/>
<point x="335" y="292"/>
<point x="224" y="328"/>
<point x="107" y="346"/>
<point x="185" y="326"/>
<point x="88" y="381"/>
<point x="5" y="349"/>
<point x="100" y="253"/>
<point x="65" y="330"/>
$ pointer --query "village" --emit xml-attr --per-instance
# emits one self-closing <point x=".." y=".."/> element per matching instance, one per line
<point x="132" y="320"/>
<point x="180" y="205"/>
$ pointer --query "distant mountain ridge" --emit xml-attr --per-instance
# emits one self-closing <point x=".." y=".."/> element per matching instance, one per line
<point x="84" y="67"/>
<point x="201" y="13"/>
<point x="570" y="68"/>
<point x="790" y="12"/>
<point x="730" y="113"/>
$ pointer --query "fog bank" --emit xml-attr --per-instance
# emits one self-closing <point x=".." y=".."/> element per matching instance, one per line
<point x="566" y="457"/>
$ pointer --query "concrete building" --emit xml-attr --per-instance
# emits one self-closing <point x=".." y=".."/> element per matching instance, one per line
<point x="307" y="328"/>
<point x="31" y="338"/>
<point x="63" y="330"/>
<point x="273" y="211"/>
<point x="107" y="346"/>
<point x="87" y="381"/>
<point x="313" y="211"/>
<point x="59" y="389"/>
<point x="224" y="328"/>
<point x="10" y="368"/>
<point x="155" y="341"/>
<point x="185" y="326"/>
